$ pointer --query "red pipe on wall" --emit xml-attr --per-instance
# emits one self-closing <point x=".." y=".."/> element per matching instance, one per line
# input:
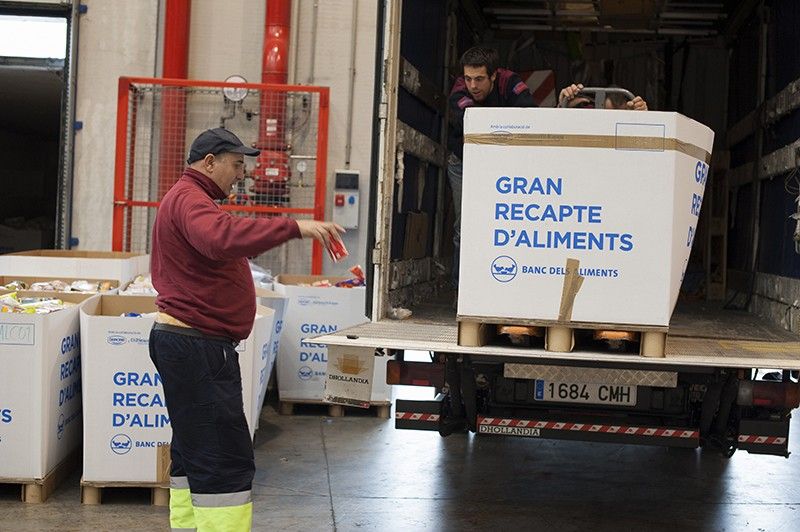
<point x="272" y="166"/>
<point x="176" y="39"/>
<point x="275" y="62"/>
<point x="172" y="152"/>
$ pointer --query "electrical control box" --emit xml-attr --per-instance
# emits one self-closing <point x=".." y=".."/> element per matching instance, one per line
<point x="345" y="198"/>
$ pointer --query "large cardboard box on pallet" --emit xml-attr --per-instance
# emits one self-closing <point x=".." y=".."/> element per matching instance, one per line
<point x="311" y="311"/>
<point x="125" y="417"/>
<point x="40" y="388"/>
<point x="55" y="263"/>
<point x="578" y="216"/>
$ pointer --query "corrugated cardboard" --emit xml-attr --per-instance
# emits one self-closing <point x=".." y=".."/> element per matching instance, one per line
<point x="637" y="179"/>
<point x="416" y="242"/>
<point x="276" y="302"/>
<point x="125" y="419"/>
<point x="56" y="263"/>
<point x="40" y="388"/>
<point x="302" y="364"/>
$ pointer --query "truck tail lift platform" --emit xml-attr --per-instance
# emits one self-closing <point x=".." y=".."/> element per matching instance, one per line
<point x="702" y="393"/>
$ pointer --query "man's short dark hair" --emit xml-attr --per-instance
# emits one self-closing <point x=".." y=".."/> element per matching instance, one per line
<point x="479" y="56"/>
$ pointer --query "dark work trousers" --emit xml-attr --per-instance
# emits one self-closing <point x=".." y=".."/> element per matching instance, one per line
<point x="211" y="445"/>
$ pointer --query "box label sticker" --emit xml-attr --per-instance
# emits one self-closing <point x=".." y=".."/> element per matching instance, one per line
<point x="17" y="334"/>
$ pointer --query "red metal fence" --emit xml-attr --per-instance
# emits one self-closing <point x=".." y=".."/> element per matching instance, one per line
<point x="157" y="119"/>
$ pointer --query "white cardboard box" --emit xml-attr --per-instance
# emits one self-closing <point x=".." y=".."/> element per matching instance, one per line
<point x="276" y="302"/>
<point x="57" y="263"/>
<point x="254" y="352"/>
<point x="40" y="388"/>
<point x="613" y="190"/>
<point x="125" y="418"/>
<point x="302" y="364"/>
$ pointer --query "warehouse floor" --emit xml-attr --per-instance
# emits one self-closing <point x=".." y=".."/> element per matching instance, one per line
<point x="359" y="473"/>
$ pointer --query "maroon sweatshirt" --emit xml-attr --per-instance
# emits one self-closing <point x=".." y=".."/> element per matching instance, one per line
<point x="199" y="257"/>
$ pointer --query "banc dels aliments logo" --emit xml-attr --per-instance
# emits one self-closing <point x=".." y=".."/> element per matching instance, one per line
<point x="121" y="444"/>
<point x="504" y="268"/>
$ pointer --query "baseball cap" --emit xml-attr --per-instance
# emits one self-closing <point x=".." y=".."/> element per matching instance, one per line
<point x="216" y="141"/>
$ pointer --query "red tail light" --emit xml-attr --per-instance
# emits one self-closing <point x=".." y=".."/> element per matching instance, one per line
<point x="415" y="373"/>
<point x="769" y="394"/>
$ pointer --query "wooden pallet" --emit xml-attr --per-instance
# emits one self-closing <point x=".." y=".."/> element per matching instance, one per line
<point x="92" y="492"/>
<point x="288" y="408"/>
<point x="561" y="338"/>
<point x="39" y="490"/>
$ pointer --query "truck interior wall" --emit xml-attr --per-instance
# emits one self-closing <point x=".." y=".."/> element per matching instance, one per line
<point x="422" y="43"/>
<point x="777" y="253"/>
<point x="738" y="230"/>
<point x="742" y="99"/>
<point x="776" y="244"/>
<point x="773" y="289"/>
<point x="700" y="85"/>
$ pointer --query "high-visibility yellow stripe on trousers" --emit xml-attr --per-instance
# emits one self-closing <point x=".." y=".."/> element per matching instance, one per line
<point x="223" y="512"/>
<point x="181" y="511"/>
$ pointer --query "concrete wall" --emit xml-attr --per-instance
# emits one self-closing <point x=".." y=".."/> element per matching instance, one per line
<point x="226" y="41"/>
<point x="119" y="37"/>
<point x="331" y="68"/>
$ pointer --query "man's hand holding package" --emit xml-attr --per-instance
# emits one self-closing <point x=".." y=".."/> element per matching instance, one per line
<point x="324" y="232"/>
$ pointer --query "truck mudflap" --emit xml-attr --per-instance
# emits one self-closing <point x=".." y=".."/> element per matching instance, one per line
<point x="764" y="437"/>
<point x="565" y="430"/>
<point x="418" y="415"/>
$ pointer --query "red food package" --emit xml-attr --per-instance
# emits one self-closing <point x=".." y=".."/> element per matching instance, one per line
<point x="336" y="249"/>
<point x="358" y="272"/>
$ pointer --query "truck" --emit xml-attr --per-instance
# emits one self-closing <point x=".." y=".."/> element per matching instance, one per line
<point x="724" y="374"/>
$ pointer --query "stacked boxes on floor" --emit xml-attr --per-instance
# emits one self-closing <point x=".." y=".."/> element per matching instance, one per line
<point x="41" y="384"/>
<point x="126" y="425"/>
<point x="312" y="311"/>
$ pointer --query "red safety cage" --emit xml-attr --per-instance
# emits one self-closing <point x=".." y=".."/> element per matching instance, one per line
<point x="157" y="119"/>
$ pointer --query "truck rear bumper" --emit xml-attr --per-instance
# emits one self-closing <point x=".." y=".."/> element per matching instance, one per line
<point x="608" y="433"/>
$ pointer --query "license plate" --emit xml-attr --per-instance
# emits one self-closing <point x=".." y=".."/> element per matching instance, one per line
<point x="576" y="392"/>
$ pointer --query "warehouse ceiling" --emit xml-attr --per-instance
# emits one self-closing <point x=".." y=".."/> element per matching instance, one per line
<point x="30" y="101"/>
<point x="644" y="17"/>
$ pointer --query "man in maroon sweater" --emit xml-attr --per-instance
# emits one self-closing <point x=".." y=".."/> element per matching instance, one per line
<point x="206" y="305"/>
<point x="483" y="84"/>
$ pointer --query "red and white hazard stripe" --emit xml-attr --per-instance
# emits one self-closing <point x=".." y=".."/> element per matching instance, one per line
<point x="542" y="84"/>
<point x="765" y="440"/>
<point x="661" y="432"/>
<point x="416" y="416"/>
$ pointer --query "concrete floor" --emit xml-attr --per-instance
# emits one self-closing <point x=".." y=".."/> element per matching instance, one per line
<point x="359" y="473"/>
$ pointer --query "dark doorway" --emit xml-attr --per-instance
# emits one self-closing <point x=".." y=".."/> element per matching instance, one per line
<point x="32" y="67"/>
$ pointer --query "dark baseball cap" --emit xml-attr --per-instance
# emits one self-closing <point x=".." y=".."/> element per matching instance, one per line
<point x="216" y="141"/>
